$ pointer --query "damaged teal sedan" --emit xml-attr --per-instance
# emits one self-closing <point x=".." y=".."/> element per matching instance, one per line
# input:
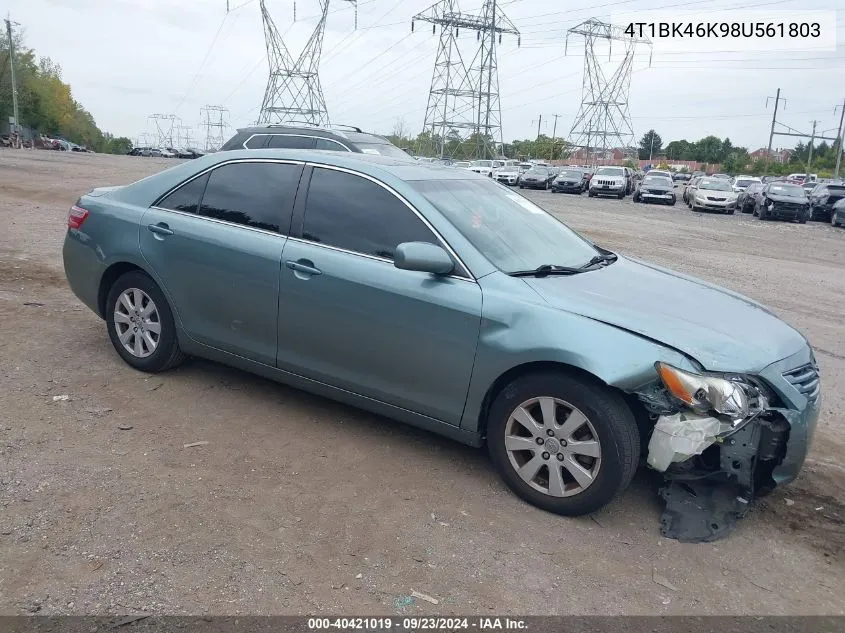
<point x="442" y="299"/>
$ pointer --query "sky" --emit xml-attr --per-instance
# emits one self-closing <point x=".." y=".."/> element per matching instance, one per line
<point x="128" y="59"/>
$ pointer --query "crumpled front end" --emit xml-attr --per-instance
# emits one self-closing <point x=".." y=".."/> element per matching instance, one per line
<point x="721" y="446"/>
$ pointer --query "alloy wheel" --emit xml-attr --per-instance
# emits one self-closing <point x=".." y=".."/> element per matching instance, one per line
<point x="553" y="446"/>
<point x="137" y="322"/>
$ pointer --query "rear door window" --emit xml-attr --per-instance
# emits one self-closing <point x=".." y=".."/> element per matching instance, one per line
<point x="291" y="141"/>
<point x="187" y="197"/>
<point x="329" y="144"/>
<point x="254" y="194"/>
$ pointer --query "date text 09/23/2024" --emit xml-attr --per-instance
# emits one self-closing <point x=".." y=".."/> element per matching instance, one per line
<point x="417" y="623"/>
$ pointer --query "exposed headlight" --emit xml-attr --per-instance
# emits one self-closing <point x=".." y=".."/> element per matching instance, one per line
<point x="703" y="394"/>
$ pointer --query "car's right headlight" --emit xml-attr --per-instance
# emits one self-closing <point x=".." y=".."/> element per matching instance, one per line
<point x="704" y="394"/>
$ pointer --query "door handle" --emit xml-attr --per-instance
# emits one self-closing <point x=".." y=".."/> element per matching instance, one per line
<point x="303" y="266"/>
<point x="160" y="229"/>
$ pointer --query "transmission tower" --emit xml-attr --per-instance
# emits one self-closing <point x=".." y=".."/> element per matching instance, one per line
<point x="184" y="138"/>
<point x="215" y="120"/>
<point x="464" y="97"/>
<point x="165" y="125"/>
<point x="293" y="91"/>
<point x="604" y="120"/>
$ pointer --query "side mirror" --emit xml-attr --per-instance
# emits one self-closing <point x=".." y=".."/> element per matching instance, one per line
<point x="423" y="257"/>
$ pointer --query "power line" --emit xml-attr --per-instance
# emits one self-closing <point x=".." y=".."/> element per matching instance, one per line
<point x="204" y="59"/>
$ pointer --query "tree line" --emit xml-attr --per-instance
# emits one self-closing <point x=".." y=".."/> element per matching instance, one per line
<point x="717" y="151"/>
<point x="46" y="103"/>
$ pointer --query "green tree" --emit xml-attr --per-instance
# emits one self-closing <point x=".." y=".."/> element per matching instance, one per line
<point x="650" y="145"/>
<point x="45" y="102"/>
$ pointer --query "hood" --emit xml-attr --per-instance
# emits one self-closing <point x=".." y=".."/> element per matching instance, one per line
<point x="722" y="330"/>
<point x="715" y="193"/>
<point x="790" y="199"/>
<point x="617" y="178"/>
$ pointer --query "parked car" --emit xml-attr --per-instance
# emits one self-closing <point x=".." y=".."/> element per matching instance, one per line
<point x="507" y="175"/>
<point x="721" y="176"/>
<point x="655" y="188"/>
<point x="739" y="183"/>
<point x="823" y="198"/>
<point x="746" y="199"/>
<point x="166" y="153"/>
<point x="571" y="180"/>
<point x="443" y="300"/>
<point x="783" y="201"/>
<point x="689" y="189"/>
<point x="538" y="177"/>
<point x="485" y="167"/>
<point x="837" y="213"/>
<point x="799" y="178"/>
<point x="339" y="139"/>
<point x="609" y="181"/>
<point x="681" y="176"/>
<point x="659" y="172"/>
<point x="713" y="194"/>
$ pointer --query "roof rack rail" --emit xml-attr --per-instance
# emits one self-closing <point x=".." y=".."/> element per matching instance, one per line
<point x="352" y="128"/>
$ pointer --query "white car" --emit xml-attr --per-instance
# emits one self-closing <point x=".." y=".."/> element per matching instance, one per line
<point x="741" y="183"/>
<point x="659" y="172"/>
<point x="507" y="175"/>
<point x="462" y="164"/>
<point x="166" y="153"/>
<point x="485" y="167"/>
<point x="608" y="181"/>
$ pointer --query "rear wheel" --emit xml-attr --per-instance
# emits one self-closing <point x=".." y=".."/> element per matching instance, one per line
<point x="563" y="443"/>
<point x="834" y="221"/>
<point x="140" y="324"/>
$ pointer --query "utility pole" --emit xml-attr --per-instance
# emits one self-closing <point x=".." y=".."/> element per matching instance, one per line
<point x="651" y="149"/>
<point x="539" y="123"/>
<point x="810" y="156"/>
<point x="14" y="81"/>
<point x="554" y="136"/>
<point x="772" y="131"/>
<point x="839" y="140"/>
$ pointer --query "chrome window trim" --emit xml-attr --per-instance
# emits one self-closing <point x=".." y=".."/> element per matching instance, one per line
<point x="402" y="199"/>
<point x="322" y="138"/>
<point x="226" y="222"/>
<point x="383" y="260"/>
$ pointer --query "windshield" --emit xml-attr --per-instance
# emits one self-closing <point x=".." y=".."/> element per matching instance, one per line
<point x="793" y="191"/>
<point x="744" y="182"/>
<point x="538" y="171"/>
<point x="568" y="173"/>
<point x="715" y="185"/>
<point x="658" y="180"/>
<point x="510" y="231"/>
<point x="482" y="163"/>
<point x="610" y="171"/>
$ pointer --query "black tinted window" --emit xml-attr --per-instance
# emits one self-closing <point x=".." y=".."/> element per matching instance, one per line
<point x="187" y="197"/>
<point x="253" y="194"/>
<point x="353" y="213"/>
<point x="291" y="142"/>
<point x="325" y="143"/>
<point x="256" y="142"/>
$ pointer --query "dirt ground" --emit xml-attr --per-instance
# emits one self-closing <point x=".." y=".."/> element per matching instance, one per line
<point x="299" y="505"/>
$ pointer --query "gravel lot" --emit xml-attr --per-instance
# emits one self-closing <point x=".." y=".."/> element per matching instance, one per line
<point x="301" y="505"/>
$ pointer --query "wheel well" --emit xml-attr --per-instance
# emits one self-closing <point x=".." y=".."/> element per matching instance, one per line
<point x="521" y="370"/>
<point x="112" y="274"/>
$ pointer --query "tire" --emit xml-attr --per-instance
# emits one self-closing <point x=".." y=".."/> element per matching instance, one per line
<point x="166" y="352"/>
<point x="607" y="421"/>
<point x="761" y="213"/>
<point x="672" y="204"/>
<point x="635" y="198"/>
<point x="833" y="220"/>
<point x="802" y="219"/>
<point x="591" y="194"/>
<point x="522" y="186"/>
<point x="621" y="195"/>
<point x="730" y="211"/>
<point x="694" y="208"/>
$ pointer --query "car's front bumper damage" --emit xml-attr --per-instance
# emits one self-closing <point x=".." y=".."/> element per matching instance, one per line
<point x="712" y="479"/>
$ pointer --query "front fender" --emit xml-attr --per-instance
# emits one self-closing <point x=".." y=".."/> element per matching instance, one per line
<point x="519" y="328"/>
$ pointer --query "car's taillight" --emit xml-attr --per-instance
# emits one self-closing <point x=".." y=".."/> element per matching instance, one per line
<point x="76" y="217"/>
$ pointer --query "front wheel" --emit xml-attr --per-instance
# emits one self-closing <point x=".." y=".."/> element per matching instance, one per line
<point x="833" y="219"/>
<point x="591" y="194"/>
<point x="563" y="443"/>
<point x="140" y="324"/>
